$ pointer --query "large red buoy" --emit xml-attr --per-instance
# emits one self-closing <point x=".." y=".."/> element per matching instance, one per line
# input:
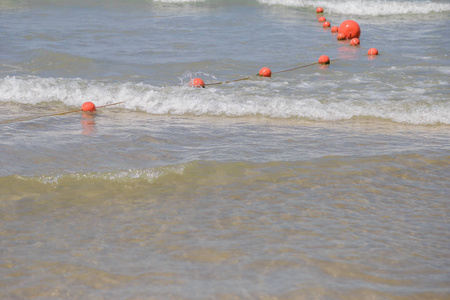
<point x="196" y="82"/>
<point x="265" y="72"/>
<point x="319" y="10"/>
<point x="372" y="51"/>
<point x="88" y="106"/>
<point x="326" y="24"/>
<point x="322" y="19"/>
<point x="334" y="29"/>
<point x="324" y="60"/>
<point x="354" y="42"/>
<point x="350" y="29"/>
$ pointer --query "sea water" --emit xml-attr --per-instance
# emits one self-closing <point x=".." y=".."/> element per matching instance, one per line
<point x="324" y="182"/>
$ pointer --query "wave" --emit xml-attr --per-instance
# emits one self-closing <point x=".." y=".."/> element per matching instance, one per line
<point x="85" y="185"/>
<point x="179" y="1"/>
<point x="366" y="7"/>
<point x="124" y="176"/>
<point x="345" y="7"/>
<point x="257" y="98"/>
<point x="246" y="173"/>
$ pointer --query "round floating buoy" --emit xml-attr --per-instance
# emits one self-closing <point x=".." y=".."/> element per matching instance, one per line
<point x="372" y="51"/>
<point x="334" y="29"/>
<point x="322" y="19"/>
<point x="319" y="10"/>
<point x="340" y="36"/>
<point x="350" y="29"/>
<point x="354" y="42"/>
<point x="197" y="83"/>
<point x="324" y="60"/>
<point x="88" y="106"/>
<point x="265" y="72"/>
<point x="326" y="24"/>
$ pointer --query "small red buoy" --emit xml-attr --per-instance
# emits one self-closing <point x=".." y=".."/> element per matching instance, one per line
<point x="197" y="83"/>
<point x="340" y="36"/>
<point x="324" y="60"/>
<point x="350" y="29"/>
<point x="334" y="29"/>
<point x="326" y="24"/>
<point x="265" y="72"/>
<point x="319" y="10"/>
<point x="354" y="42"/>
<point x="322" y="19"/>
<point x="88" y="106"/>
<point x="372" y="51"/>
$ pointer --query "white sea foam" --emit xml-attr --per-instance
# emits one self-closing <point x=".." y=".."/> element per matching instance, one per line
<point x="148" y="175"/>
<point x="263" y="100"/>
<point x="178" y="1"/>
<point x="367" y="7"/>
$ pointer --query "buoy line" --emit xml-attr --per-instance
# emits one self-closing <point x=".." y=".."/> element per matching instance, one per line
<point x="228" y="81"/>
<point x="85" y="107"/>
<point x="264" y="72"/>
<point x="196" y="82"/>
<point x="348" y="30"/>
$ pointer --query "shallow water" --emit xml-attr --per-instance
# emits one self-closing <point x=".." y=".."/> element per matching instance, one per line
<point x="318" y="183"/>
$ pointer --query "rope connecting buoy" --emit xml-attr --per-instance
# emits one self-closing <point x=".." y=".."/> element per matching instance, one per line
<point x="322" y="19"/>
<point x="324" y="60"/>
<point x="88" y="106"/>
<point x="326" y="24"/>
<point x="372" y="51"/>
<point x="334" y="29"/>
<point x="354" y="42"/>
<point x="265" y="72"/>
<point x="197" y="83"/>
<point x="319" y="10"/>
<point x="350" y="29"/>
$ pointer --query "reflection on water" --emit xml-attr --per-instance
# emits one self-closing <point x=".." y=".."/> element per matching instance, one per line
<point x="88" y="123"/>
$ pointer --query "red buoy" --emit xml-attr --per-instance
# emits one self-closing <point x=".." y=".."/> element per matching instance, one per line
<point x="88" y="106"/>
<point x="326" y="24"/>
<point x="340" y="36"/>
<point x="334" y="29"/>
<point x="319" y="10"/>
<point x="265" y="72"/>
<point x="324" y="60"/>
<point x="322" y="19"/>
<point x="197" y="83"/>
<point x="350" y="29"/>
<point x="354" y="42"/>
<point x="372" y="51"/>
